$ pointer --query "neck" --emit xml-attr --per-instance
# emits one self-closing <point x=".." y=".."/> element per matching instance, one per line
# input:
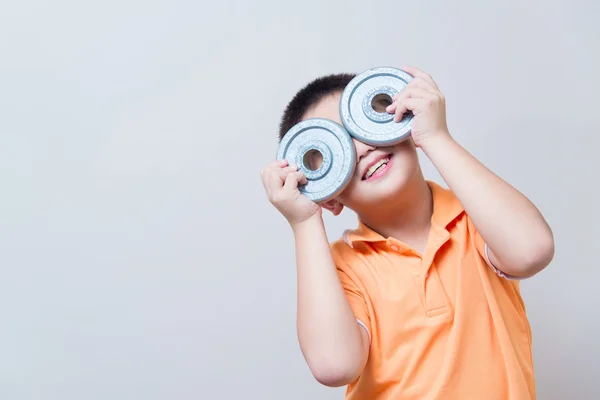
<point x="408" y="218"/>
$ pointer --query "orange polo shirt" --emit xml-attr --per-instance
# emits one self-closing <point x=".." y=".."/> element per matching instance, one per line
<point x="444" y="324"/>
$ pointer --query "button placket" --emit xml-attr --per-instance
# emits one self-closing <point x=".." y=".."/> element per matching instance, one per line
<point x="434" y="295"/>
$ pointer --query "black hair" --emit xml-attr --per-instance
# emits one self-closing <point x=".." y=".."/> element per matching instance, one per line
<point x="310" y="95"/>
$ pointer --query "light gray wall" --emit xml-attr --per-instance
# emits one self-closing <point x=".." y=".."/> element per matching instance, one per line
<point x="139" y="256"/>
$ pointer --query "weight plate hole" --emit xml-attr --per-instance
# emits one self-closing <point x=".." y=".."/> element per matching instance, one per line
<point x="380" y="102"/>
<point x="312" y="160"/>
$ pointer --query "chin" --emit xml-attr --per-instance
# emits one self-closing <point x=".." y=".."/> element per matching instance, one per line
<point x="390" y="191"/>
<point x="384" y="191"/>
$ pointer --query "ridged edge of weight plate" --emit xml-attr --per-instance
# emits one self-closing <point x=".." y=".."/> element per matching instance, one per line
<point x="348" y="123"/>
<point x="331" y="125"/>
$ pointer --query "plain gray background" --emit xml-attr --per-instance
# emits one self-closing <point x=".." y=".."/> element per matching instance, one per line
<point x="139" y="256"/>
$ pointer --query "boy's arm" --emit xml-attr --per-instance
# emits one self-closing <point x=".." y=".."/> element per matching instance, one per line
<point x="334" y="344"/>
<point x="519" y="240"/>
<point x="332" y="341"/>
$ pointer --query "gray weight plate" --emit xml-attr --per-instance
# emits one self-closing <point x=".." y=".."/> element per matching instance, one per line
<point x="332" y="141"/>
<point x="363" y="102"/>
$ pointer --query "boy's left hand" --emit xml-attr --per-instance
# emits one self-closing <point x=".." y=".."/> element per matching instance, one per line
<point x="427" y="103"/>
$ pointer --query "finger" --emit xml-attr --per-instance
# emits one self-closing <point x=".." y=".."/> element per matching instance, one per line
<point x="423" y="84"/>
<point x="291" y="182"/>
<point x="293" y="179"/>
<point x="278" y="177"/>
<point x="289" y="168"/>
<point x="265" y="175"/>
<point x="398" y="98"/>
<point x="303" y="180"/>
<point x="407" y="93"/>
<point x="275" y="181"/>
<point x="417" y="93"/>
<point x="408" y="104"/>
<point x="267" y="184"/>
<point x="284" y="172"/>
<point x="278" y="163"/>
<point x="417" y="73"/>
<point x="399" y="112"/>
<point x="279" y="170"/>
<point x="274" y="164"/>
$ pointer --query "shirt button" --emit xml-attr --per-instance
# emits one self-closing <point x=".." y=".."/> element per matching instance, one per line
<point x="395" y="248"/>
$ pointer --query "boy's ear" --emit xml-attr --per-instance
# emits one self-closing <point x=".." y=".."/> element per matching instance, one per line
<point x="333" y="205"/>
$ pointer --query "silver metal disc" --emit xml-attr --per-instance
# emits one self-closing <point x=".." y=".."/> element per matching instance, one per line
<point x="360" y="118"/>
<point x="337" y="152"/>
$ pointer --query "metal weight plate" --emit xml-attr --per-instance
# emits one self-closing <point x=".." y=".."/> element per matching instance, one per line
<point x="338" y="155"/>
<point x="369" y="124"/>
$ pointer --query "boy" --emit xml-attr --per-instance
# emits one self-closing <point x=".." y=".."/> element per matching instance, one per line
<point x="422" y="300"/>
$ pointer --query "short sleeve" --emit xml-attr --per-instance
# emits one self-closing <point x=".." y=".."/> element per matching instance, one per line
<point x="355" y="295"/>
<point x="483" y="250"/>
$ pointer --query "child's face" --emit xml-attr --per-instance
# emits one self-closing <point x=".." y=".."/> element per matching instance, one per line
<point x="368" y="188"/>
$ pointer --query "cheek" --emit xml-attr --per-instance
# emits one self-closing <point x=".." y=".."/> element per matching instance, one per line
<point x="405" y="166"/>
<point x="352" y="191"/>
<point x="406" y="154"/>
<point x="408" y="158"/>
<point x="406" y="146"/>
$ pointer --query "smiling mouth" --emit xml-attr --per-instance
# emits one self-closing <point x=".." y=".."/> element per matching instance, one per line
<point x="378" y="166"/>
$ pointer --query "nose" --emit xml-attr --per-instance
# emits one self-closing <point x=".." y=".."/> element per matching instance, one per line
<point x="362" y="149"/>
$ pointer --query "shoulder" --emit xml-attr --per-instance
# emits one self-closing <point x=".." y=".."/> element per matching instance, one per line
<point x="348" y="254"/>
<point x="346" y="245"/>
<point x="342" y="251"/>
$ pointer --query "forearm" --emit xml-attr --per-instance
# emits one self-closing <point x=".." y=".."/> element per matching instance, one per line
<point x="328" y="333"/>
<point x="519" y="238"/>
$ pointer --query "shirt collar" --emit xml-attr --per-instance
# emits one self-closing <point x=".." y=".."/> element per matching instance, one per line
<point x="446" y="208"/>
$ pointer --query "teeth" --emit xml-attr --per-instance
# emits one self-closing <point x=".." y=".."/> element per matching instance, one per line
<point x="376" y="166"/>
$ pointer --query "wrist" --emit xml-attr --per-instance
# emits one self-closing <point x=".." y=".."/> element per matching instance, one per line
<point x="431" y="142"/>
<point x="312" y="222"/>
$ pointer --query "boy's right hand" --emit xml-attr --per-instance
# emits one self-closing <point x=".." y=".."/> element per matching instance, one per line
<point x="281" y="184"/>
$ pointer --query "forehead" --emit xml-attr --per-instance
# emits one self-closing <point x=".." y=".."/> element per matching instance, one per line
<point x="328" y="107"/>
